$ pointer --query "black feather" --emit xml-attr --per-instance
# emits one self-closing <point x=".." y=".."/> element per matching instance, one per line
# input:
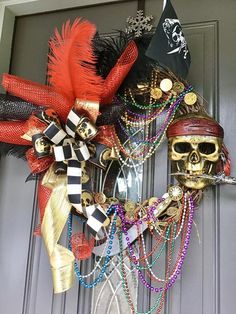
<point x="109" y="49"/>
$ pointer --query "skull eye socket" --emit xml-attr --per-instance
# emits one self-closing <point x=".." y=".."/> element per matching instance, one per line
<point x="182" y="147"/>
<point x="207" y="148"/>
<point x="175" y="37"/>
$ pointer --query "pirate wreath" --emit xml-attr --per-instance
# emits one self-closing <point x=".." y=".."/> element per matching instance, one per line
<point x="107" y="104"/>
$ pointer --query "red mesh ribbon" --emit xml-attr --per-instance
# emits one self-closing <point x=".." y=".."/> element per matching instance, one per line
<point x="43" y="198"/>
<point x="81" y="247"/>
<point x="11" y="132"/>
<point x="119" y="72"/>
<point x="38" y="165"/>
<point x="34" y="126"/>
<point x="195" y="126"/>
<point x="38" y="94"/>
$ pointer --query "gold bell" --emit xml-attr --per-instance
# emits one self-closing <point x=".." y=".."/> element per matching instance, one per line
<point x="113" y="154"/>
<point x="86" y="129"/>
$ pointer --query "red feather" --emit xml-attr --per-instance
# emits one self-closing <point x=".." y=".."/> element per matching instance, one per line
<point x="71" y="67"/>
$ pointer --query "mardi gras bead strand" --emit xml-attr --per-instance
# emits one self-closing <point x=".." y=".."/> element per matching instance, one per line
<point x="126" y="287"/>
<point x="125" y="221"/>
<point x="150" y="266"/>
<point x="160" y="299"/>
<point x="184" y="247"/>
<point x="151" y="151"/>
<point x="142" y="160"/>
<point x="185" y="205"/>
<point x="107" y="258"/>
<point x="69" y="234"/>
<point x="182" y="254"/>
<point x="120" y="146"/>
<point x="170" y="98"/>
<point x="153" y="139"/>
<point x="140" y="119"/>
<point x="132" y="134"/>
<point x="141" y="276"/>
<point x="158" y="254"/>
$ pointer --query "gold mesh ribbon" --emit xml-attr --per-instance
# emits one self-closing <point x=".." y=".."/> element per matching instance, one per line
<point x="55" y="217"/>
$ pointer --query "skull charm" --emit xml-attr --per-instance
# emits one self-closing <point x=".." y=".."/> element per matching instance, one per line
<point x="42" y="146"/>
<point x="193" y="155"/>
<point x="85" y="174"/>
<point x="86" y="129"/>
<point x="87" y="198"/>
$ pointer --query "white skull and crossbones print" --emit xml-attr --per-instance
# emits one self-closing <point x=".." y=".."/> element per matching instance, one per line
<point x="174" y="33"/>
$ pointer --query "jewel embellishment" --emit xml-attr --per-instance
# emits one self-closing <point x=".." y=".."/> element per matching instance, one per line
<point x="175" y="192"/>
<point x="139" y="24"/>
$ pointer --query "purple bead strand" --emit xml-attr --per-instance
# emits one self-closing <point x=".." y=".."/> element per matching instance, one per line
<point x="179" y="266"/>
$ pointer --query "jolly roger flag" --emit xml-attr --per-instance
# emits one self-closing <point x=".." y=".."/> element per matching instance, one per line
<point x="168" y="45"/>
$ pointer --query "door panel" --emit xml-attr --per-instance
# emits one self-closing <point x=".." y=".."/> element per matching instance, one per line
<point x="206" y="284"/>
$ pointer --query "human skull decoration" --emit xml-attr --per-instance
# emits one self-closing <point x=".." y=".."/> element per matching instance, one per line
<point x="86" y="129"/>
<point x="195" y="145"/>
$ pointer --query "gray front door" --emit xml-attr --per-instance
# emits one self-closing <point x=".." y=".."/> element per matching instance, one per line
<point x="207" y="282"/>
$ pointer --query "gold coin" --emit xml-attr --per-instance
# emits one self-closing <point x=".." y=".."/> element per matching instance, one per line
<point x="172" y="211"/>
<point x="156" y="93"/>
<point x="100" y="198"/>
<point x="190" y="99"/>
<point x="152" y="201"/>
<point x="129" y="206"/>
<point x="166" y="85"/>
<point x="106" y="154"/>
<point x="178" y="87"/>
<point x="175" y="192"/>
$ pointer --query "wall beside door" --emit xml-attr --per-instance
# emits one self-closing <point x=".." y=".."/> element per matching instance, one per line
<point x="207" y="281"/>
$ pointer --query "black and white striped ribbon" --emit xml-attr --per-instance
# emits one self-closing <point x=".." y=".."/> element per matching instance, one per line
<point x="96" y="219"/>
<point x="73" y="120"/>
<point x="75" y="152"/>
<point x="55" y="133"/>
